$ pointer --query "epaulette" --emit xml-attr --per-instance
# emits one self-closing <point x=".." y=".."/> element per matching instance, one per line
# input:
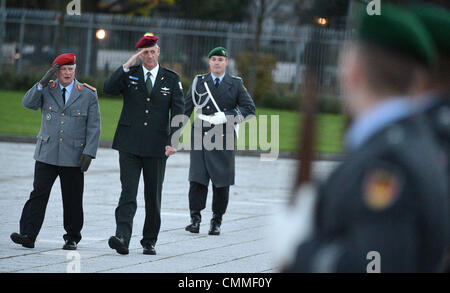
<point x="202" y="76"/>
<point x="90" y="87"/>
<point x="236" y="77"/>
<point x="171" y="71"/>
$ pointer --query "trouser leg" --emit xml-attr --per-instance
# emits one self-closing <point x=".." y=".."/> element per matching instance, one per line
<point x="130" y="171"/>
<point x="220" y="200"/>
<point x="72" y="185"/>
<point x="154" y="169"/>
<point x="33" y="212"/>
<point x="197" y="196"/>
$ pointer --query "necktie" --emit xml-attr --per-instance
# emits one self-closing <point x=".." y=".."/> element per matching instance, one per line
<point x="148" y="83"/>
<point x="64" y="95"/>
<point x="217" y="82"/>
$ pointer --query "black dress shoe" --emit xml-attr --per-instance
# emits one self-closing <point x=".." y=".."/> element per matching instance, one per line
<point x="149" y="249"/>
<point x="118" y="244"/>
<point x="24" y="240"/>
<point x="70" y="245"/>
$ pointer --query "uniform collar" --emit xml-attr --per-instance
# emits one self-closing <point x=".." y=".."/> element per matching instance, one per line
<point x="154" y="71"/>
<point x="219" y="77"/>
<point x="69" y="87"/>
<point x="379" y="117"/>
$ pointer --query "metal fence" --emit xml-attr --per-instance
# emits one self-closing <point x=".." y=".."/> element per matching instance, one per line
<point x="32" y="38"/>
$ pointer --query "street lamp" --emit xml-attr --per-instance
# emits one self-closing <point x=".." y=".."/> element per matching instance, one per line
<point x="322" y="21"/>
<point x="100" y="34"/>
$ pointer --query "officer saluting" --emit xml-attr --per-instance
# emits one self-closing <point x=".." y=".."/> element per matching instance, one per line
<point x="223" y="101"/>
<point x="387" y="201"/>
<point x="150" y="92"/>
<point x="67" y="141"/>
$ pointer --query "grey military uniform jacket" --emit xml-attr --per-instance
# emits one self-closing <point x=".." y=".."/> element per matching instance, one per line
<point x="217" y="164"/>
<point x="69" y="130"/>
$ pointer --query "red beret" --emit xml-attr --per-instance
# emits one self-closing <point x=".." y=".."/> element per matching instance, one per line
<point x="65" y="59"/>
<point x="147" y="41"/>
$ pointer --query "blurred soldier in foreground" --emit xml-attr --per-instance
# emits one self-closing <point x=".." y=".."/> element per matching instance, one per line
<point x="67" y="141"/>
<point x="224" y="101"/>
<point x="387" y="200"/>
<point x="435" y="102"/>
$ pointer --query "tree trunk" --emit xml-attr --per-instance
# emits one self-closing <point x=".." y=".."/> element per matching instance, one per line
<point x="256" y="44"/>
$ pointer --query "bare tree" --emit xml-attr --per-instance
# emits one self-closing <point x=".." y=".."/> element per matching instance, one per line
<point x="260" y="10"/>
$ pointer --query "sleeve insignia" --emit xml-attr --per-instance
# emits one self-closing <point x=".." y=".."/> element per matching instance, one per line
<point x="381" y="189"/>
<point x="53" y="85"/>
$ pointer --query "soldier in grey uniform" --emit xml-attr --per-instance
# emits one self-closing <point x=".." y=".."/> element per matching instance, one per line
<point x="67" y="141"/>
<point x="229" y="105"/>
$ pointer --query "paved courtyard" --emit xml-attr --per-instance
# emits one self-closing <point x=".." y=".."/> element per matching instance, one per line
<point x="244" y="245"/>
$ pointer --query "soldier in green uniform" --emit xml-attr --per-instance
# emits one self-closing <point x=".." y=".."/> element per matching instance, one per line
<point x="143" y="138"/>
<point x="388" y="198"/>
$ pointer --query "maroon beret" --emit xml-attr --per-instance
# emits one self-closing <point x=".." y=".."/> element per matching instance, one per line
<point x="148" y="40"/>
<point x="65" y="59"/>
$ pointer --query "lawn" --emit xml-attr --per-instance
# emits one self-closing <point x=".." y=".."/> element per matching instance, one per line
<point x="16" y="119"/>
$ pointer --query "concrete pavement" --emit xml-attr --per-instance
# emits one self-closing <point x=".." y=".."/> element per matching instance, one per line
<point x="243" y="246"/>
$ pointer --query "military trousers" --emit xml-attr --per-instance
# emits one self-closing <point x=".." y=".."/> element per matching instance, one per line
<point x="153" y="169"/>
<point x="72" y="184"/>
<point x="198" y="194"/>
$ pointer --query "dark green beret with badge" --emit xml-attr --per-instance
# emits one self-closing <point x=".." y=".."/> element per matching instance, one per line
<point x="398" y="30"/>
<point x="219" y="51"/>
<point x="437" y="21"/>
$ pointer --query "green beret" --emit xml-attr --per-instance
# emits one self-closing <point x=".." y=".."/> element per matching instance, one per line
<point x="219" y="51"/>
<point x="437" y="21"/>
<point x="398" y="30"/>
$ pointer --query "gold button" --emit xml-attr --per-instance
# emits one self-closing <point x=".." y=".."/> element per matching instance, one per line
<point x="146" y="111"/>
<point x="145" y="123"/>
<point x="61" y="131"/>
<point x="60" y="139"/>
<point x="79" y="114"/>
<point x="82" y="144"/>
<point x="62" y="114"/>
<point x="62" y="122"/>
<point x="148" y="99"/>
<point x="49" y="108"/>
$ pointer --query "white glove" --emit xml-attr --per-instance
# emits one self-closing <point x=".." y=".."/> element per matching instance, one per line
<point x="217" y="118"/>
<point x="293" y="225"/>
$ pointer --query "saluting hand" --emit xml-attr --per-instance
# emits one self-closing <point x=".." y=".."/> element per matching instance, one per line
<point x="170" y="150"/>
<point x="48" y="75"/>
<point x="133" y="59"/>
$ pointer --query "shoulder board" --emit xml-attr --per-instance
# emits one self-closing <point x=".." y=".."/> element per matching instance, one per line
<point x="202" y="76"/>
<point x="90" y="87"/>
<point x="171" y="71"/>
<point x="236" y="77"/>
<point x="53" y="84"/>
